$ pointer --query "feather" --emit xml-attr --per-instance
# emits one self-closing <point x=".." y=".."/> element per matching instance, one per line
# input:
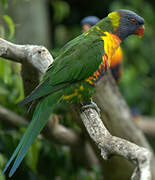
<point x="42" y="90"/>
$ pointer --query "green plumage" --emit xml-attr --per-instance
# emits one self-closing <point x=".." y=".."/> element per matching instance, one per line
<point x="66" y="80"/>
<point x="79" y="59"/>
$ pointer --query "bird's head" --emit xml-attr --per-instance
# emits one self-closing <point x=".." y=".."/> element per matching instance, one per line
<point x="88" y="22"/>
<point x="126" y="22"/>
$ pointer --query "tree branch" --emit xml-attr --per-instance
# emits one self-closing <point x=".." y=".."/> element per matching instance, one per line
<point x="37" y="56"/>
<point x="111" y="145"/>
<point x="34" y="59"/>
<point x="12" y="118"/>
<point x="146" y="124"/>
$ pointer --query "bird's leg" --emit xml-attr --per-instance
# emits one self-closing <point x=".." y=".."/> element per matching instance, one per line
<point x="91" y="105"/>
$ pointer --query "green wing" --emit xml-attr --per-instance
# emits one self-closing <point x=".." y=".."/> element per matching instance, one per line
<point x="78" y="61"/>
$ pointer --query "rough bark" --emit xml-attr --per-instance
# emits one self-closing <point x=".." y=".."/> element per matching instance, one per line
<point x="34" y="59"/>
<point x="112" y="145"/>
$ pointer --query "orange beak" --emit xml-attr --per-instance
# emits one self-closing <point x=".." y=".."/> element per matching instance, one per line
<point x="140" y="31"/>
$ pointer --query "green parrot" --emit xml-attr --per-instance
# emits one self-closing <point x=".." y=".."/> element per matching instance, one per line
<point x="72" y="76"/>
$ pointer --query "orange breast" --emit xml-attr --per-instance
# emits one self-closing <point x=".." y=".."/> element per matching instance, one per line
<point x="117" y="58"/>
<point x="111" y="43"/>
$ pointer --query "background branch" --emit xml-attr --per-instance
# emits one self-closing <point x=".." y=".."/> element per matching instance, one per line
<point x="146" y="124"/>
<point x="11" y="118"/>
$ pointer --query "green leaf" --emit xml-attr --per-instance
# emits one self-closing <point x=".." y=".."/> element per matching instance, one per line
<point x="3" y="2"/>
<point x="2" y="31"/>
<point x="4" y="5"/>
<point x="3" y="161"/>
<point x="61" y="10"/>
<point x="11" y="25"/>
<point x="5" y="71"/>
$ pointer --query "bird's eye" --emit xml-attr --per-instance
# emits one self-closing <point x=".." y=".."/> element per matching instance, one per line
<point x="133" y="20"/>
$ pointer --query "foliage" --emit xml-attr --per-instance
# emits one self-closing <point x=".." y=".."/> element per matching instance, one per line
<point x="7" y="27"/>
<point x="61" y="10"/>
<point x="10" y="26"/>
<point x="11" y="88"/>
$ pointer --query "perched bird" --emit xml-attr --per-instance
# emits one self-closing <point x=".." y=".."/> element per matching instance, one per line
<point x="71" y="78"/>
<point x="116" y="60"/>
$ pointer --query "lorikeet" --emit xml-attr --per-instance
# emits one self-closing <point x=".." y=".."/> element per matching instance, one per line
<point x="116" y="60"/>
<point x="75" y="72"/>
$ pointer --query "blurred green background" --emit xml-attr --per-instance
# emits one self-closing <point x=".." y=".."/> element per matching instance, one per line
<point x="53" y="23"/>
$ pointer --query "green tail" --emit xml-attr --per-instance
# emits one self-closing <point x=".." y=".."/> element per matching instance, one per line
<point x="41" y="115"/>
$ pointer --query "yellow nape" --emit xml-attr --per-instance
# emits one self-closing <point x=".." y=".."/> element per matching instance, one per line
<point x="114" y="16"/>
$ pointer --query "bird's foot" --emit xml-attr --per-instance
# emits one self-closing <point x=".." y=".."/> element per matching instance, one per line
<point x="92" y="105"/>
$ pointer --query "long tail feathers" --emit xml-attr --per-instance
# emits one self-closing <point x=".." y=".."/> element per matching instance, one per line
<point x="40" y="117"/>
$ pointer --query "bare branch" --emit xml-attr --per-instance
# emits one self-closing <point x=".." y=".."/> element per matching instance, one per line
<point x="12" y="118"/>
<point x="111" y="145"/>
<point x="60" y="133"/>
<point x="37" y="56"/>
<point x="146" y="124"/>
<point x="35" y="61"/>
